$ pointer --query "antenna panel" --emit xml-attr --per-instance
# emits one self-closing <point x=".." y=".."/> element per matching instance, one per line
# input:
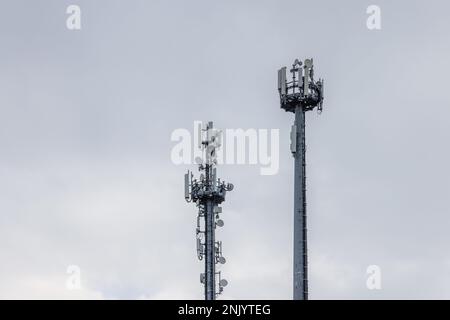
<point x="294" y="139"/>
<point x="307" y="67"/>
<point x="282" y="81"/>
<point x="186" y="186"/>
<point x="214" y="177"/>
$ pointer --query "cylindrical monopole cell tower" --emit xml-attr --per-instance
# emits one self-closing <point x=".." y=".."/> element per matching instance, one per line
<point x="207" y="193"/>
<point x="299" y="95"/>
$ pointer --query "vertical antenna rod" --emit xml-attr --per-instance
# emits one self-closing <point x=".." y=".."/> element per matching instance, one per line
<point x="298" y="96"/>
<point x="208" y="192"/>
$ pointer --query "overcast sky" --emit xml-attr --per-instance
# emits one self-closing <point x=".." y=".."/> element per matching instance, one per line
<point x="86" y="176"/>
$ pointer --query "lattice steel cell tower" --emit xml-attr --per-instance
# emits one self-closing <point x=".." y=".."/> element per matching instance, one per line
<point x="207" y="193"/>
<point x="299" y="95"/>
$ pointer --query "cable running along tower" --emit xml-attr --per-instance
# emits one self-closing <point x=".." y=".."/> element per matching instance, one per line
<point x="207" y="193"/>
<point x="300" y="95"/>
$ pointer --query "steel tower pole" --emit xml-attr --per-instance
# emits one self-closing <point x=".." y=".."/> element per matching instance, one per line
<point x="210" y="263"/>
<point x="300" y="237"/>
<point x="208" y="192"/>
<point x="300" y="95"/>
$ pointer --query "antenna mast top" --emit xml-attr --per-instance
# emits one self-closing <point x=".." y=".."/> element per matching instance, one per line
<point x="303" y="90"/>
